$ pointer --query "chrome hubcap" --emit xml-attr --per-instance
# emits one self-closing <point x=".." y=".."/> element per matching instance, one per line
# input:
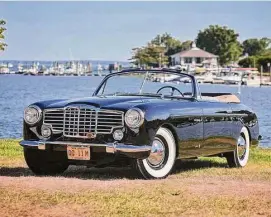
<point x="241" y="147"/>
<point x="157" y="153"/>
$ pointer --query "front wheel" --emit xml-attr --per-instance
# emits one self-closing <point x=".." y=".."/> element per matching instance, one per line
<point x="239" y="157"/>
<point x="44" y="162"/>
<point x="162" y="158"/>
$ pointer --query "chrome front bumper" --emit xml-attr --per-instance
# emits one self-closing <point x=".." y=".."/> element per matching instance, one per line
<point x="113" y="148"/>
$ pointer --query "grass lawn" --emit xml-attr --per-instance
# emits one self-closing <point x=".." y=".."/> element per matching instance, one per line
<point x="203" y="187"/>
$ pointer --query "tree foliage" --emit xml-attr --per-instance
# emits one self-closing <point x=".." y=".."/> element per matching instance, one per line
<point x="172" y="45"/>
<point x="221" y="41"/>
<point x="186" y="45"/>
<point x="255" y="46"/>
<point x="2" y="37"/>
<point x="150" y="55"/>
<point x="263" y="61"/>
<point x="157" y="51"/>
<point x="256" y="61"/>
<point x="249" y="62"/>
<point x="266" y="52"/>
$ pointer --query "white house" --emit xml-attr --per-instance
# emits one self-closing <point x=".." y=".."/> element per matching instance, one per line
<point x="194" y="57"/>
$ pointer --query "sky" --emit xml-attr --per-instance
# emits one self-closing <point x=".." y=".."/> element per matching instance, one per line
<point x="109" y="30"/>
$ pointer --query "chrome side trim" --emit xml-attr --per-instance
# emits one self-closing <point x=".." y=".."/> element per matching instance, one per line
<point x="209" y="115"/>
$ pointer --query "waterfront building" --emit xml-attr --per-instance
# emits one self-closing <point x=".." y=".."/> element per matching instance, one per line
<point x="194" y="57"/>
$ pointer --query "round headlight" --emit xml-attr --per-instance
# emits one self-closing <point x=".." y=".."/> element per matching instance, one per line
<point x="134" y="118"/>
<point x="32" y="114"/>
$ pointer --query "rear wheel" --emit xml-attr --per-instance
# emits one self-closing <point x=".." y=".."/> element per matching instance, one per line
<point x="44" y="162"/>
<point x="162" y="158"/>
<point x="239" y="157"/>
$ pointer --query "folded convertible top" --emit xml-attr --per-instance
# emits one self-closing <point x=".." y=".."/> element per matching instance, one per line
<point x="221" y="97"/>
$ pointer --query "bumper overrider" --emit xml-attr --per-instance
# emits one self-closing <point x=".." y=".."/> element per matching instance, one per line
<point x="130" y="151"/>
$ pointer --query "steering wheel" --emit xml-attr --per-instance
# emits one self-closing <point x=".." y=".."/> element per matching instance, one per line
<point x="172" y="90"/>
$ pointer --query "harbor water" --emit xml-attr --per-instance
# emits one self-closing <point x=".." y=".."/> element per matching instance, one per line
<point x="18" y="91"/>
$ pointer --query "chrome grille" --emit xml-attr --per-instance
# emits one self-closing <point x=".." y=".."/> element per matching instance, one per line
<point x="108" y="120"/>
<point x="78" y="121"/>
<point x="86" y="121"/>
<point x="71" y="121"/>
<point x="54" y="118"/>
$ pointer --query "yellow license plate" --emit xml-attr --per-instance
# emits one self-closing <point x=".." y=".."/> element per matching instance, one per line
<point x="78" y="153"/>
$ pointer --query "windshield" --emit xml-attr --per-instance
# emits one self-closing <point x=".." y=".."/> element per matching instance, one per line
<point x="147" y="83"/>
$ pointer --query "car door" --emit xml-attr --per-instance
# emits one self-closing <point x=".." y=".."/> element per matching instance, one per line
<point x="186" y="117"/>
<point x="217" y="127"/>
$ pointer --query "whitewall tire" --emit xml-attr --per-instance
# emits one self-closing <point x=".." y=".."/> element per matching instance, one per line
<point x="162" y="158"/>
<point x="239" y="157"/>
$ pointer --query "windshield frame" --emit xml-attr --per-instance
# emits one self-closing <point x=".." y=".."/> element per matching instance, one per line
<point x="174" y="72"/>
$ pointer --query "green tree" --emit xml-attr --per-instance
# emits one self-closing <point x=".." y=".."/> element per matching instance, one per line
<point x="171" y="45"/>
<point x="2" y="37"/>
<point x="255" y="46"/>
<point x="150" y="55"/>
<point x="267" y="52"/>
<point x="256" y="61"/>
<point x="250" y="61"/>
<point x="186" y="45"/>
<point x="157" y="51"/>
<point x="263" y="61"/>
<point x="221" y="41"/>
<point x="156" y="55"/>
<point x="231" y="53"/>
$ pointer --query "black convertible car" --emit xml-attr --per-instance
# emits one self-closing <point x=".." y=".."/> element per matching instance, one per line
<point x="143" y="118"/>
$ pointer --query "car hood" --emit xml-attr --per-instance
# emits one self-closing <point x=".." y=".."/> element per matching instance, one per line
<point x="103" y="102"/>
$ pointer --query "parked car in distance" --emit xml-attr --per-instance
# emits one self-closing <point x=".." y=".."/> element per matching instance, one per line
<point x="133" y="120"/>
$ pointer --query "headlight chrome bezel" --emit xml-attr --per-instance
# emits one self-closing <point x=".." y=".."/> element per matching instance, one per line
<point x="39" y="112"/>
<point x="139" y="123"/>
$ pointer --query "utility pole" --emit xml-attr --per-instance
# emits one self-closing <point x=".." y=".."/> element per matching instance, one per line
<point x="269" y="65"/>
<point x="261" y="74"/>
<point x="160" y="54"/>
